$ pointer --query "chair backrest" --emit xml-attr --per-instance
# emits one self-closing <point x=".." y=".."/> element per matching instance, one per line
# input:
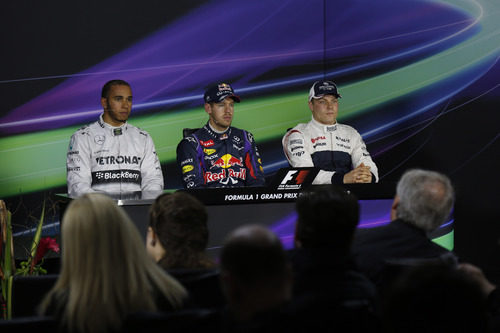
<point x="203" y="286"/>
<point x="28" y="292"/>
<point x="188" y="131"/>
<point x="29" y="324"/>
<point x="191" y="320"/>
<point x="394" y="268"/>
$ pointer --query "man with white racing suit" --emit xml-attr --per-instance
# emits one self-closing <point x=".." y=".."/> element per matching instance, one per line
<point x="219" y="155"/>
<point x="111" y="155"/>
<point x="336" y="149"/>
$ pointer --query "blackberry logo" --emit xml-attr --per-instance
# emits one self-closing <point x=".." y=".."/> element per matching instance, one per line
<point x="116" y="176"/>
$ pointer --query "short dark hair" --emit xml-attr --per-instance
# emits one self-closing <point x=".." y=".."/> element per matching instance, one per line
<point x="107" y="86"/>
<point x="255" y="256"/>
<point x="180" y="222"/>
<point x="327" y="217"/>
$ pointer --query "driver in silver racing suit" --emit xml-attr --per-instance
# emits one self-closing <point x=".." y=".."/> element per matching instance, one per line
<point x="113" y="159"/>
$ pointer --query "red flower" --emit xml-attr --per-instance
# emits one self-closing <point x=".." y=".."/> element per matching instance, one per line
<point x="46" y="244"/>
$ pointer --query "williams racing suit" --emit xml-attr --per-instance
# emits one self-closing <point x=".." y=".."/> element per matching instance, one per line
<point x="334" y="149"/>
<point x="103" y="158"/>
<point x="210" y="159"/>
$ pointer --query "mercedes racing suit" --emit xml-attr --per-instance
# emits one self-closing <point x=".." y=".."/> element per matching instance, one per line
<point x="210" y="159"/>
<point x="103" y="158"/>
<point x="334" y="149"/>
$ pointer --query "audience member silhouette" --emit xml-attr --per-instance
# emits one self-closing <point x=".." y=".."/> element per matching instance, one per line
<point x="423" y="202"/>
<point x="434" y="297"/>
<point x="178" y="233"/>
<point x="256" y="280"/>
<point x="489" y="290"/>
<point x="106" y="272"/>
<point x="177" y="238"/>
<point x="329" y="292"/>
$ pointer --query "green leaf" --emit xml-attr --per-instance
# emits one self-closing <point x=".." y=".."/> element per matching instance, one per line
<point x="38" y="234"/>
<point x="8" y="247"/>
<point x="7" y="281"/>
<point x="9" y="297"/>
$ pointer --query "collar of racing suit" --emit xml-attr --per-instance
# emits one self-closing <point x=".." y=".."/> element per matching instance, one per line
<point x="324" y="128"/>
<point x="114" y="131"/>
<point x="218" y="135"/>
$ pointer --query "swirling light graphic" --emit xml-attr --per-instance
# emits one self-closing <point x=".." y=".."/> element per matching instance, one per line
<point x="417" y="53"/>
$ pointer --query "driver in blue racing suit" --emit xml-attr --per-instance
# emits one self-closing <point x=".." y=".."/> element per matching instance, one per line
<point x="338" y="150"/>
<point x="218" y="155"/>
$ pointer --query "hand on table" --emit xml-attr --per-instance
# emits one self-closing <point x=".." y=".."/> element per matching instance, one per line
<point x="360" y="174"/>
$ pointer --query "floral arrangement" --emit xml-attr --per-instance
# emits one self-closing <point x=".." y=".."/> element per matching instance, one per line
<point x="32" y="266"/>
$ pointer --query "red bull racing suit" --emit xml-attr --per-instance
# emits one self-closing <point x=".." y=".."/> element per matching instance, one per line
<point x="210" y="159"/>
<point x="334" y="149"/>
<point x="111" y="159"/>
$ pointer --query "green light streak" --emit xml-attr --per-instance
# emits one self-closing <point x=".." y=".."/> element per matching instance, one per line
<point x="482" y="47"/>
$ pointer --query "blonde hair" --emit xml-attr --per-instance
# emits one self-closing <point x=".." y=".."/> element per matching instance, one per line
<point x="106" y="272"/>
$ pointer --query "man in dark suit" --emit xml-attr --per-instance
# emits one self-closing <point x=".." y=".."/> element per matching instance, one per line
<point x="329" y="292"/>
<point x="423" y="202"/>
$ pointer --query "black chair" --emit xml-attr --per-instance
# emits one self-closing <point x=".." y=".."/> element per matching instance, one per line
<point x="188" y="131"/>
<point x="189" y="321"/>
<point x="28" y="292"/>
<point x="203" y="286"/>
<point x="29" y="324"/>
<point x="394" y="268"/>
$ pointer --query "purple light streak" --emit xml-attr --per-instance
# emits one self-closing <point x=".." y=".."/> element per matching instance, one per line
<point x="174" y="65"/>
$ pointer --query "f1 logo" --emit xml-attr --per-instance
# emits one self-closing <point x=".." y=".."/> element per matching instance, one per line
<point x="289" y="176"/>
<point x="294" y="175"/>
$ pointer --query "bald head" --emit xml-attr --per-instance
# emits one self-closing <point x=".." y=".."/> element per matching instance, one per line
<point x="252" y="235"/>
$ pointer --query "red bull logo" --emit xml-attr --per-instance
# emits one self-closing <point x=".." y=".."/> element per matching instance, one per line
<point x="227" y="161"/>
<point x="214" y="176"/>
<point x="218" y="176"/>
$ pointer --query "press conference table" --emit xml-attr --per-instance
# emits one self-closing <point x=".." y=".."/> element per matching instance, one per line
<point x="229" y="208"/>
